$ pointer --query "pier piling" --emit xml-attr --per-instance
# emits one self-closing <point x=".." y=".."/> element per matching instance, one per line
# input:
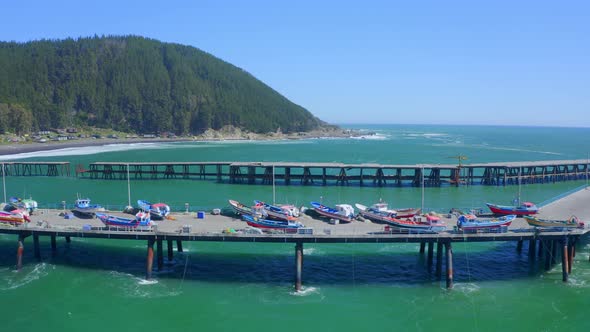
<point x="53" y="244"/>
<point x="439" y="256"/>
<point x="547" y="255"/>
<point x="532" y="249"/>
<point x="178" y="245"/>
<point x="430" y="253"/>
<point x="564" y="261"/>
<point x="36" y="248"/>
<point x="170" y="250"/>
<point x="570" y="258"/>
<point x="160" y="254"/>
<point x="150" y="258"/>
<point x="449" y="254"/>
<point x="299" y="265"/>
<point x="519" y="246"/>
<point x="68" y="239"/>
<point x="19" y="252"/>
<point x="422" y="246"/>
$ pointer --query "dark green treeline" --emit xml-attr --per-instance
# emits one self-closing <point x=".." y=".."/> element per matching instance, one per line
<point x="135" y="84"/>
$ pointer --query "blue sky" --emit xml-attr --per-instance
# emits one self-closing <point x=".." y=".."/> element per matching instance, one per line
<point x="447" y="62"/>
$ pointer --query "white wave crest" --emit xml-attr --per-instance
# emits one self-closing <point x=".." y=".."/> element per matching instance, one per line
<point x="12" y="279"/>
<point x="306" y="291"/>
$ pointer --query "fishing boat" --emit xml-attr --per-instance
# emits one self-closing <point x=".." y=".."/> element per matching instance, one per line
<point x="526" y="208"/>
<point x="270" y="224"/>
<point x="28" y="204"/>
<point x="465" y="223"/>
<point x="417" y="224"/>
<point x="383" y="208"/>
<point x="83" y="208"/>
<point x="275" y="212"/>
<point x="572" y="222"/>
<point x="141" y="219"/>
<point x="256" y="211"/>
<point x="342" y="212"/>
<point x="157" y="211"/>
<point x="14" y="217"/>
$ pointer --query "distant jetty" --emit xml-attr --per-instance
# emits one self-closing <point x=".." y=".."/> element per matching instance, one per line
<point x="309" y="173"/>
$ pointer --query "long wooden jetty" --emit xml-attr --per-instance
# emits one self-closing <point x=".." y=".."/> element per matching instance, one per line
<point x="35" y="168"/>
<point x="548" y="246"/>
<point x="303" y="173"/>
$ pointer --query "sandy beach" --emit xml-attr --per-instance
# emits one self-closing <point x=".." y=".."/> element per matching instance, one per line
<point x="210" y="135"/>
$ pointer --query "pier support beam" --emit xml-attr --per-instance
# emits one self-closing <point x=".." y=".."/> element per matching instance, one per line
<point x="564" y="261"/>
<point x="53" y="244"/>
<point x="36" y="247"/>
<point x="532" y="248"/>
<point x="430" y="254"/>
<point x="572" y="254"/>
<point x="150" y="258"/>
<point x="19" y="252"/>
<point x="554" y="251"/>
<point x="170" y="250"/>
<point x="298" y="265"/>
<point x="422" y="246"/>
<point x="68" y="239"/>
<point x="519" y="246"/>
<point x="178" y="245"/>
<point x="547" y="253"/>
<point x="439" y="256"/>
<point x="160" y="254"/>
<point x="449" y="254"/>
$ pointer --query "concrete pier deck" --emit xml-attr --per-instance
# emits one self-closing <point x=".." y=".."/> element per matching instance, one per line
<point x="187" y="227"/>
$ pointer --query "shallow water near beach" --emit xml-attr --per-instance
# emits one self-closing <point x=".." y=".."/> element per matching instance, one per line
<point x="97" y="285"/>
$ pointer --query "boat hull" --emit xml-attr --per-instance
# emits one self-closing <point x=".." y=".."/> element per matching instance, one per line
<point x="270" y="224"/>
<point x="330" y="212"/>
<point x="508" y="210"/>
<point x="474" y="224"/>
<point x="110" y="220"/>
<point x="13" y="218"/>
<point x="561" y="224"/>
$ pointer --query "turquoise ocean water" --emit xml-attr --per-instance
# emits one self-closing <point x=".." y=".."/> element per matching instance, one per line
<point x="98" y="284"/>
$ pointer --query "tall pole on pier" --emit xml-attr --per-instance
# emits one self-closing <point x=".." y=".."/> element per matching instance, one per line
<point x="422" y="206"/>
<point x="273" y="185"/>
<point x="587" y="163"/>
<point x="4" y="181"/>
<point x="128" y="188"/>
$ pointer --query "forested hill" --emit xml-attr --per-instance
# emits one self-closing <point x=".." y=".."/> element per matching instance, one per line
<point x="135" y="84"/>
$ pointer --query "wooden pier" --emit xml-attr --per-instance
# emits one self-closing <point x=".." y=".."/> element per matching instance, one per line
<point x="35" y="168"/>
<point x="551" y="245"/>
<point x="298" y="173"/>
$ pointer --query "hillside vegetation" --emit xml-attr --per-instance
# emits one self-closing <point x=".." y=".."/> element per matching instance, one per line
<point x="135" y="84"/>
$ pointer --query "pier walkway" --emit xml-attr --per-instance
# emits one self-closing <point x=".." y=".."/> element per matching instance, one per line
<point x="311" y="173"/>
<point x="541" y="244"/>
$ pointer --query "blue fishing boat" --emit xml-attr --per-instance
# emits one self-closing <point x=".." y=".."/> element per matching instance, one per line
<point x="157" y="211"/>
<point x="464" y="222"/>
<point x="141" y="219"/>
<point x="83" y="208"/>
<point x="271" y="224"/>
<point x="342" y="212"/>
